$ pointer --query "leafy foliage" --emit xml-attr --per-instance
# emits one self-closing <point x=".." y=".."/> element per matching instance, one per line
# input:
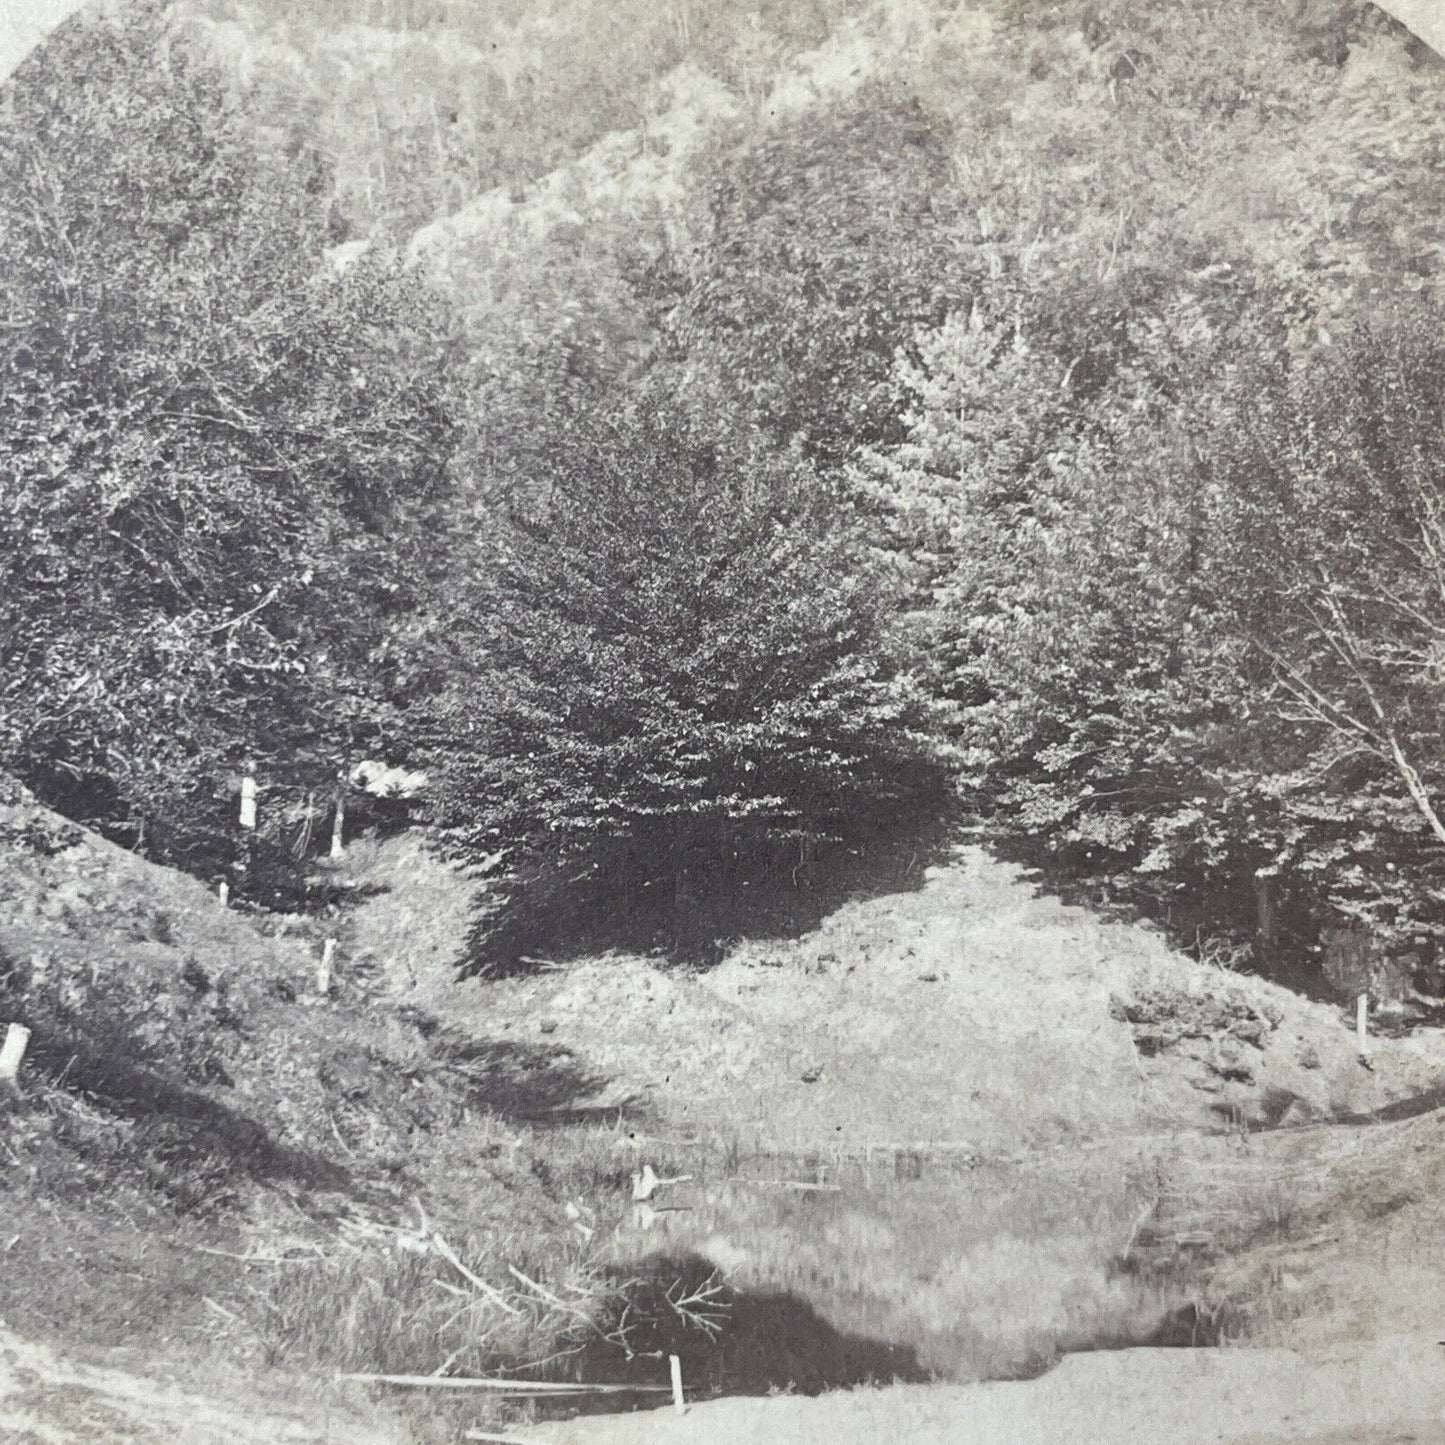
<point x="427" y="105"/>
<point x="1195" y="642"/>
<point x="827" y="241"/>
<point x="1058" y="309"/>
<point x="1338" y="482"/>
<point x="216" y="455"/>
<point x="677" y="676"/>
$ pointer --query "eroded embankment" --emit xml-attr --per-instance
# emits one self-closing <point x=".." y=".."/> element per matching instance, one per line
<point x="969" y="1013"/>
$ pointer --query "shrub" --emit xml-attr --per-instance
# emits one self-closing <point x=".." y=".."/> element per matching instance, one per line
<point x="678" y="673"/>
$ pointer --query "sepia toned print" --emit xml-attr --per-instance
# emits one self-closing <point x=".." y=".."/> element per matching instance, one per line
<point x="721" y="722"/>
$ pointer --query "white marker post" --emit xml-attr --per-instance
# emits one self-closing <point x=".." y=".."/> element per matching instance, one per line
<point x="323" y="969"/>
<point x="248" y="822"/>
<point x="338" y="827"/>
<point x="1362" y="1024"/>
<point x="12" y="1054"/>
<point x="224" y="893"/>
<point x="677" y="1402"/>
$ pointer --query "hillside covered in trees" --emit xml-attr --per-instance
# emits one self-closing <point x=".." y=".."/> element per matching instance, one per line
<point x="711" y="438"/>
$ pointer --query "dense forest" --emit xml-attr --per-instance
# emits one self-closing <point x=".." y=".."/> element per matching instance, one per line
<point x="709" y="439"/>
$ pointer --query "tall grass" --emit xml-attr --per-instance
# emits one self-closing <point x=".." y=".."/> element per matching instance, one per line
<point x="501" y="1264"/>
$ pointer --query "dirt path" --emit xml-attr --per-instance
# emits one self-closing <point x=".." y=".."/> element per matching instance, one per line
<point x="1391" y="1390"/>
<point x="48" y="1400"/>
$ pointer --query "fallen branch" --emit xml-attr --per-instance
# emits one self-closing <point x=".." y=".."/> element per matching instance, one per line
<point x="516" y="1387"/>
<point x="221" y="1310"/>
<point x="260" y="1258"/>
<point x="425" y="1239"/>
<point x="545" y="1294"/>
<point x="491" y="1292"/>
<point x="798" y="1184"/>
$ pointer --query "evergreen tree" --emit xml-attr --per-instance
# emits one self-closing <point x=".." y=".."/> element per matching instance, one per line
<point x="679" y="676"/>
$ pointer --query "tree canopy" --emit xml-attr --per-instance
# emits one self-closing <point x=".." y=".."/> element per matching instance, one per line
<point x="676" y="676"/>
<point x="1030" y="407"/>
<point x="217" y="454"/>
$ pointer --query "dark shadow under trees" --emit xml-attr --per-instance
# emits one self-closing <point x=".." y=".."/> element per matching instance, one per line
<point x="685" y="699"/>
<point x="690" y="908"/>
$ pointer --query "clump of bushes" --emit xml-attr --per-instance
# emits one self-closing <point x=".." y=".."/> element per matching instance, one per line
<point x="679" y="678"/>
<point x="221" y="457"/>
<point x="1192" y="622"/>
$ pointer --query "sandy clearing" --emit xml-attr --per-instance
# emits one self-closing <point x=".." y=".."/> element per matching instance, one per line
<point x="1388" y="1390"/>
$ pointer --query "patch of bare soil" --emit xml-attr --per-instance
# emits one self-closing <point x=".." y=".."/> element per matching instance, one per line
<point x="1392" y="1390"/>
<point x="1002" y="1021"/>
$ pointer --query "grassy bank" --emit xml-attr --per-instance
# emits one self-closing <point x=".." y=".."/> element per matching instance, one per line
<point x="221" y="1161"/>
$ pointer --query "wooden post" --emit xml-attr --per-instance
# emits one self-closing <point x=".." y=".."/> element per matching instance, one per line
<point x="338" y="826"/>
<point x="1362" y="1024"/>
<point x="12" y="1053"/>
<point x="248" y="800"/>
<point x="677" y="1402"/>
<point x="248" y="825"/>
<point x="323" y="969"/>
<point x="224" y="893"/>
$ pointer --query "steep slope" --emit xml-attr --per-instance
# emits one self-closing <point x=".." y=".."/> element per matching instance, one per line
<point x="637" y="179"/>
<point x="225" y="1177"/>
<point x="211" y="1035"/>
<point x="427" y="106"/>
